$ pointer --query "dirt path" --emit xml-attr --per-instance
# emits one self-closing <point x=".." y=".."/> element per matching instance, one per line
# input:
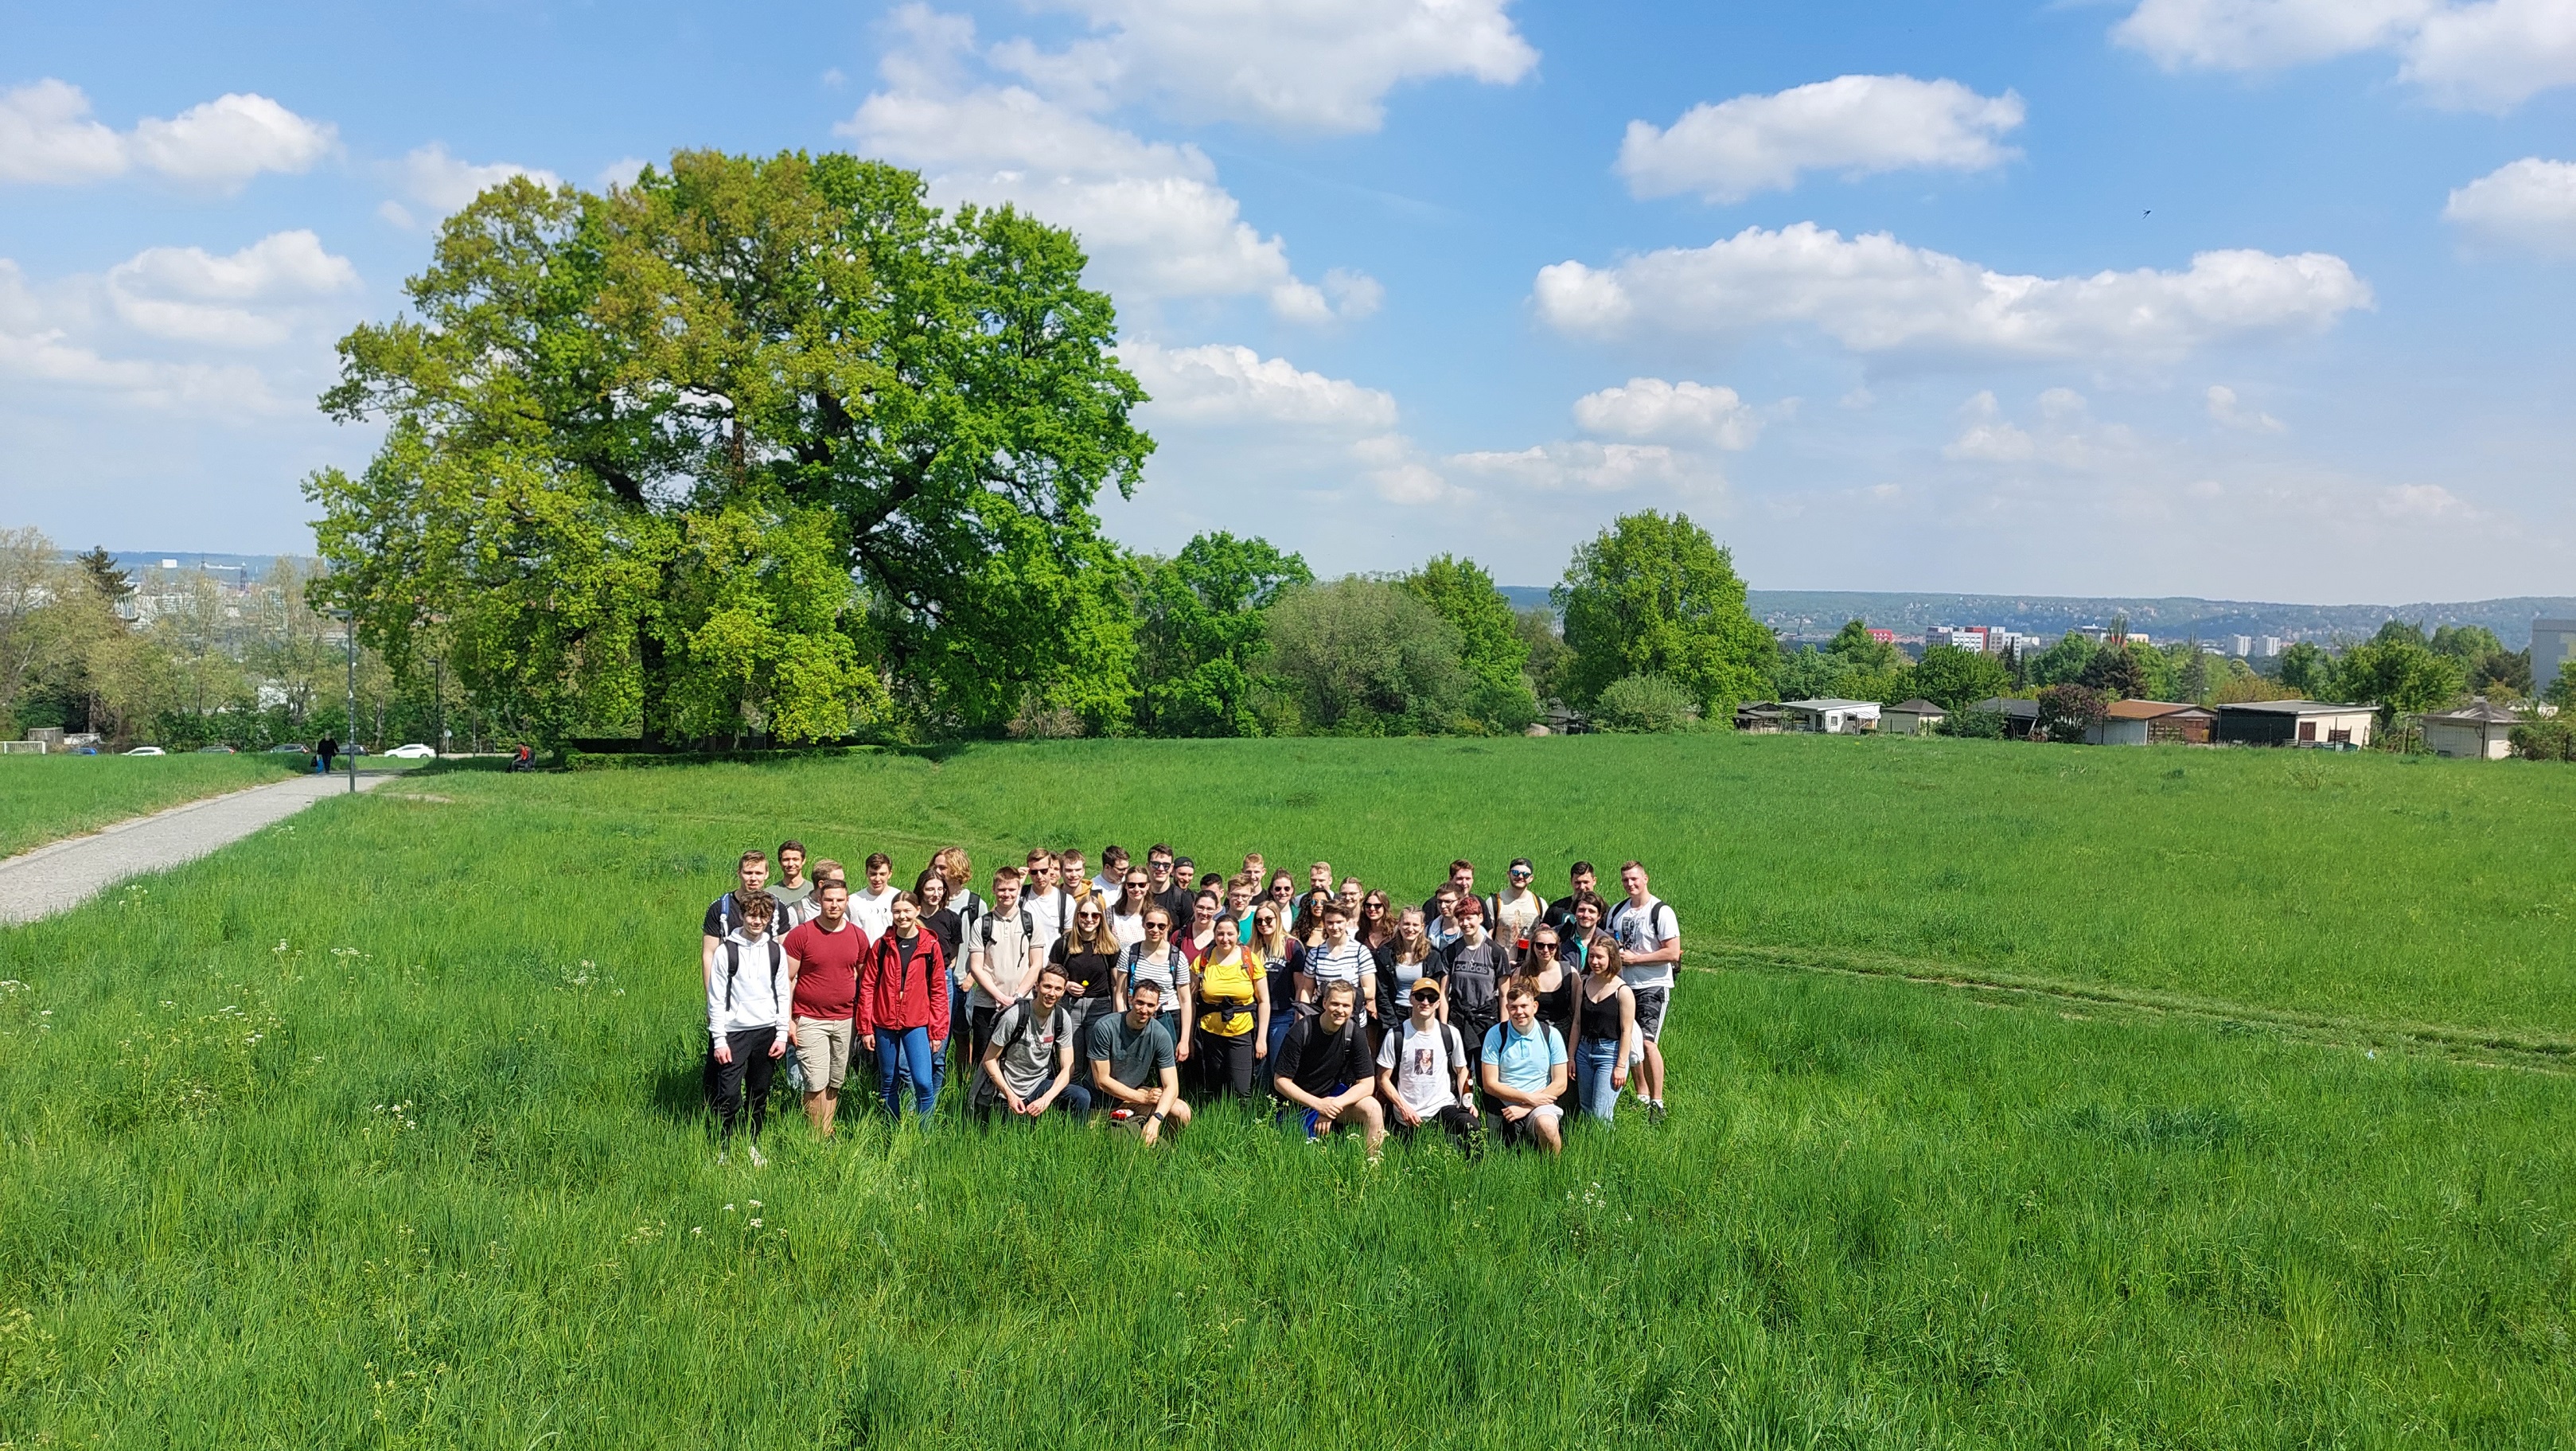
<point x="63" y="874"/>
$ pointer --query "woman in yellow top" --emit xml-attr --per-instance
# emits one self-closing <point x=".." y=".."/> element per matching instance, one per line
<point x="1234" y="1029"/>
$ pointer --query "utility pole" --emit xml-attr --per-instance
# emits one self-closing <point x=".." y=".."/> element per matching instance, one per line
<point x="349" y="637"/>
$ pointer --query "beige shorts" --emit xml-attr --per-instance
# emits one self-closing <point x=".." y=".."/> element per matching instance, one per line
<point x="823" y="1051"/>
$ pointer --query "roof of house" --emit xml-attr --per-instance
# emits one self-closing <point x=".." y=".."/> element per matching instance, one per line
<point x="2150" y="709"/>
<point x="1919" y="706"/>
<point x="1827" y="704"/>
<point x="2293" y="707"/>
<point x="2481" y="713"/>
<point x="2009" y="705"/>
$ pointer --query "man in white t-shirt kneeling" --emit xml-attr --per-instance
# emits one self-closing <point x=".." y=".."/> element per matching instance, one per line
<point x="1422" y="1073"/>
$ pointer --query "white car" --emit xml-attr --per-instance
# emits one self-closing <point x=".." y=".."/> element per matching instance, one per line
<point x="413" y="752"/>
<point x="147" y="751"/>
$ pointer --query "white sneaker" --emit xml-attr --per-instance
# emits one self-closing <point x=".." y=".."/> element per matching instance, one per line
<point x="758" y="1159"/>
<point x="722" y="1158"/>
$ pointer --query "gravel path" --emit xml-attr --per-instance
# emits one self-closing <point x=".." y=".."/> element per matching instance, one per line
<point x="61" y="875"/>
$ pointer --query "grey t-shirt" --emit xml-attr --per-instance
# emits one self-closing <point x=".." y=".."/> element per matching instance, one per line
<point x="1029" y="1054"/>
<point x="1137" y="1056"/>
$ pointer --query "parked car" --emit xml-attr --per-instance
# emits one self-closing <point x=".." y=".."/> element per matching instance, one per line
<point x="216" y="751"/>
<point x="289" y="748"/>
<point x="413" y="752"/>
<point x="147" y="751"/>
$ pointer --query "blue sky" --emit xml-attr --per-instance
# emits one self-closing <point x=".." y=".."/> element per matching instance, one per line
<point x="2253" y="298"/>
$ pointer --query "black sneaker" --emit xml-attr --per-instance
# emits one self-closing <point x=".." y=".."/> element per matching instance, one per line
<point x="1655" y="1112"/>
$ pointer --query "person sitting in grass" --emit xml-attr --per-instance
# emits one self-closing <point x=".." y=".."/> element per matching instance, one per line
<point x="1323" y="1071"/>
<point x="748" y="1029"/>
<point x="1524" y="1069"/>
<point x="1132" y="1066"/>
<point x="1028" y="1067"/>
<point x="1422" y="1072"/>
<point x="823" y="957"/>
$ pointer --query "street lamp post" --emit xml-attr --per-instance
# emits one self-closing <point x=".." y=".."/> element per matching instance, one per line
<point x="349" y="637"/>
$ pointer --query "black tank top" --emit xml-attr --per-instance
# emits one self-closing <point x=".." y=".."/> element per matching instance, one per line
<point x="1601" y="1019"/>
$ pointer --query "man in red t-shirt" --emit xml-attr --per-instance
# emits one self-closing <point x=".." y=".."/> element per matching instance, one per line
<point x="823" y="962"/>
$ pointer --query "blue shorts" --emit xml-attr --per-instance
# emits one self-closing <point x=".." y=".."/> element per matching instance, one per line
<point x="1307" y="1117"/>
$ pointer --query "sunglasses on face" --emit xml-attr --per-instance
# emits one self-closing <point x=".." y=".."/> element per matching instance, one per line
<point x="1086" y="916"/>
<point x="1135" y="881"/>
<point x="1158" y="926"/>
<point x="1547" y="944"/>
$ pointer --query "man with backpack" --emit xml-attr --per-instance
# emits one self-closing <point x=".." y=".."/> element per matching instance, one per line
<point x="748" y="1029"/>
<point x="1474" y="969"/>
<point x="1028" y="1067"/>
<point x="1002" y="959"/>
<point x="1422" y="1072"/>
<point x="1650" y="946"/>
<point x="1323" y="1071"/>
<point x="823" y="957"/>
<point x="725" y="913"/>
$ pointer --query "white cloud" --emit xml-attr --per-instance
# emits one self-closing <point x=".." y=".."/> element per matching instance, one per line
<point x="2225" y="411"/>
<point x="2485" y="55"/>
<point x="1583" y="466"/>
<point x="2528" y="204"/>
<point x="621" y="172"/>
<point x="252" y="298"/>
<point x="1221" y="384"/>
<point x="1856" y="125"/>
<point x="1304" y="65"/>
<point x="47" y="135"/>
<point x="1149" y="214"/>
<point x="38" y="353"/>
<point x="1874" y="294"/>
<point x="1685" y="412"/>
<point x="2426" y="502"/>
<point x="2064" y="435"/>
<point x="445" y="184"/>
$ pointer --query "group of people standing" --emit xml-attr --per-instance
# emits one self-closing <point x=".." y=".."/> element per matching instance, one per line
<point x="1148" y="986"/>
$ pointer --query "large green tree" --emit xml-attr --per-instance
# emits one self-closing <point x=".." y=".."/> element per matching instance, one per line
<point x="1491" y="648"/>
<point x="2398" y="673"/>
<point x="1362" y="657"/>
<point x="1199" y="633"/>
<point x="735" y="444"/>
<point x="1955" y="679"/>
<point x="1655" y="595"/>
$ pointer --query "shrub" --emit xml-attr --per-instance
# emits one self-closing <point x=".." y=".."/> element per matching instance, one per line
<point x="1646" y="705"/>
<point x="2066" y="712"/>
<point x="1981" y="725"/>
<point x="2545" y="740"/>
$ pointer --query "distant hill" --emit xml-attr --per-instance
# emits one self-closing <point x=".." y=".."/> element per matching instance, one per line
<point x="1816" y="614"/>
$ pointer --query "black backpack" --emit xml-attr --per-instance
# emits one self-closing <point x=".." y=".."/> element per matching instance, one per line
<point x="733" y="964"/>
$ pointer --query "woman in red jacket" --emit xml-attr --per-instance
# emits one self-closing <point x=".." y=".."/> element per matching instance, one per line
<point x="903" y="1001"/>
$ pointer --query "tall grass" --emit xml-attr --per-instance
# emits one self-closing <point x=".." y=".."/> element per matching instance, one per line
<point x="382" y="1129"/>
<point x="43" y="798"/>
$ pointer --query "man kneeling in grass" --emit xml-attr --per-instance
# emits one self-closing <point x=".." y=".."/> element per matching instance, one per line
<point x="1422" y="1072"/>
<point x="1323" y="1071"/>
<point x="1524" y="1069"/>
<point x="1134" y="1067"/>
<point x="1028" y="1066"/>
<point x="747" y="1021"/>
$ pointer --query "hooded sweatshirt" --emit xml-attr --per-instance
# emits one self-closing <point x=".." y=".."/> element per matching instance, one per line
<point x="754" y="994"/>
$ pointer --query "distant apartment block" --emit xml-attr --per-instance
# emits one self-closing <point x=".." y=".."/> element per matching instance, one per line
<point x="2553" y="644"/>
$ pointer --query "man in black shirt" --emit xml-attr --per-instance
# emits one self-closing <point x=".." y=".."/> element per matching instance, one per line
<point x="1171" y="894"/>
<point x="1474" y="968"/>
<point x="1325" y="1073"/>
<point x="1560" y="913"/>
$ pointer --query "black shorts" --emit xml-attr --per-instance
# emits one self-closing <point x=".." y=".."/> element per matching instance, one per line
<point x="1651" y="1002"/>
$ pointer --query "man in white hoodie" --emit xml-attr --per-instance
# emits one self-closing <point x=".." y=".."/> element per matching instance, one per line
<point x="748" y="1028"/>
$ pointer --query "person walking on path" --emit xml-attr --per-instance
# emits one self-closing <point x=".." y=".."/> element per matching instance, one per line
<point x="903" y="1004"/>
<point x="323" y="751"/>
<point x="748" y="1027"/>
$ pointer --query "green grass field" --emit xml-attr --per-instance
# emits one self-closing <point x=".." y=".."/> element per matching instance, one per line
<point x="383" y="1129"/>
<point x="43" y="798"/>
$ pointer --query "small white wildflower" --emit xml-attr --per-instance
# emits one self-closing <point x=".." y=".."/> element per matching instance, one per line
<point x="755" y="1221"/>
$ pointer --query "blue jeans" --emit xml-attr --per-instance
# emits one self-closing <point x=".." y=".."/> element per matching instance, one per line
<point x="1595" y="1060"/>
<point x="905" y="1056"/>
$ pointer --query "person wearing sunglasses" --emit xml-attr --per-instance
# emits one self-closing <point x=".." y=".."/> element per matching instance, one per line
<point x="1552" y="978"/>
<point x="1127" y="913"/>
<point x="1308" y="924"/>
<point x="1233" y="1028"/>
<point x="1168" y="891"/>
<point x="1518" y="906"/>
<point x="1157" y="960"/>
<point x="1375" y="925"/>
<point x="1282" y="959"/>
<point x="1088" y="958"/>
<point x="1422" y="1072"/>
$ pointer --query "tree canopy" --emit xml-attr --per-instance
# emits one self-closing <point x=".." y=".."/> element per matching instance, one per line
<point x="1200" y="618"/>
<point x="1655" y="595"/>
<point x="1363" y="657"/>
<point x="1491" y="648"/>
<point x="730" y="446"/>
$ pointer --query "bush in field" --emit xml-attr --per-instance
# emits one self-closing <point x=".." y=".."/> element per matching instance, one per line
<point x="1978" y="725"/>
<point x="1646" y="705"/>
<point x="2066" y="712"/>
<point x="2545" y="740"/>
<point x="1363" y="657"/>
